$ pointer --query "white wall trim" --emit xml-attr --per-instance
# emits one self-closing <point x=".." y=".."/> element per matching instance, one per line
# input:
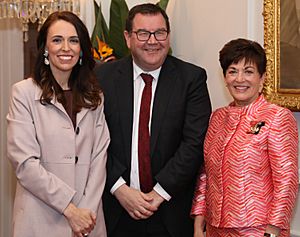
<point x="255" y="19"/>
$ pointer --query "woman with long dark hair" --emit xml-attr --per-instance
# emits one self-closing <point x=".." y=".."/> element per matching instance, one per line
<point x="57" y="137"/>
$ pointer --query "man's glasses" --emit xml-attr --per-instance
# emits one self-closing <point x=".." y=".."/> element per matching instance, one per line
<point x="144" y="35"/>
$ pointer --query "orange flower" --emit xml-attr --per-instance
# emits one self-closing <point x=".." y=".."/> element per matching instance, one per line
<point x="103" y="52"/>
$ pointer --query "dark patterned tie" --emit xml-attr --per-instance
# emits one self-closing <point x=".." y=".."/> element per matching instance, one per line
<point x="145" y="173"/>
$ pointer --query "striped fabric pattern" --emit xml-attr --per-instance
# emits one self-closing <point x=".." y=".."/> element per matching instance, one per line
<point x="249" y="179"/>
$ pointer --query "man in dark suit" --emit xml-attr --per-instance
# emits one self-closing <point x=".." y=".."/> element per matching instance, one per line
<point x="157" y="131"/>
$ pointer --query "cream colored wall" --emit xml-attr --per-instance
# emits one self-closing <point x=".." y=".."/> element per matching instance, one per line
<point x="199" y="30"/>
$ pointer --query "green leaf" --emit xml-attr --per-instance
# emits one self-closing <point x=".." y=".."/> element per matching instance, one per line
<point x="96" y="9"/>
<point x="163" y="4"/>
<point x="118" y="15"/>
<point x="100" y="28"/>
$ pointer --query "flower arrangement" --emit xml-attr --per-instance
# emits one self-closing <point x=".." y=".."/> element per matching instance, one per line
<point x="103" y="52"/>
<point x="109" y="43"/>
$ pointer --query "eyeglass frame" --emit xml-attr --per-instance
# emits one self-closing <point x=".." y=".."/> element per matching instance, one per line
<point x="150" y="33"/>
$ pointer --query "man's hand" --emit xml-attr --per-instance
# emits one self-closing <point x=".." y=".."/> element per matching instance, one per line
<point x="136" y="203"/>
<point x="82" y="221"/>
<point x="156" y="199"/>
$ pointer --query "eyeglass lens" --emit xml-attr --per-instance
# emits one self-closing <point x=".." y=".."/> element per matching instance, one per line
<point x="144" y="35"/>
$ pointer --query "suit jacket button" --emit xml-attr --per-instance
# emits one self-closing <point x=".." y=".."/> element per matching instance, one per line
<point x="77" y="130"/>
<point x="76" y="159"/>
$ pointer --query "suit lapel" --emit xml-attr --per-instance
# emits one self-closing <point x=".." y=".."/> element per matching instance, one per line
<point x="124" y="92"/>
<point x="164" y="89"/>
<point x="79" y="115"/>
<point x="58" y="105"/>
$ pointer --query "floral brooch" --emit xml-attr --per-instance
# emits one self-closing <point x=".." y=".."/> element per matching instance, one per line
<point x="255" y="127"/>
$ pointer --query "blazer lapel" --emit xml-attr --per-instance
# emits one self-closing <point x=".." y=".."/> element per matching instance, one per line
<point x="58" y="105"/>
<point x="124" y="92"/>
<point x="81" y="115"/>
<point x="163" y="91"/>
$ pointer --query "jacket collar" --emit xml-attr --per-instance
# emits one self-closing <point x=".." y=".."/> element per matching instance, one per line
<point x="59" y="106"/>
<point x="248" y="109"/>
<point x="251" y="112"/>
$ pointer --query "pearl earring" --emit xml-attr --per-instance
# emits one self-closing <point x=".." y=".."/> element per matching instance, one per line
<point x="46" y="60"/>
<point x="80" y="58"/>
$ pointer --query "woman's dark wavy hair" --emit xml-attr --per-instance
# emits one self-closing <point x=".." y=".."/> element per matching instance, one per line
<point x="145" y="9"/>
<point x="82" y="81"/>
<point x="236" y="50"/>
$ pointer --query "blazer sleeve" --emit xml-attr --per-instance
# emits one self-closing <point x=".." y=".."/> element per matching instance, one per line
<point x="283" y="155"/>
<point x="199" y="202"/>
<point x="23" y="151"/>
<point x="183" y="166"/>
<point x="97" y="174"/>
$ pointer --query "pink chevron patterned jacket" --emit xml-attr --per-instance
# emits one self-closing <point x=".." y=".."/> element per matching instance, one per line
<point x="251" y="174"/>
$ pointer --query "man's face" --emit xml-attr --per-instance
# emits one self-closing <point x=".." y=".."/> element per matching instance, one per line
<point x="148" y="55"/>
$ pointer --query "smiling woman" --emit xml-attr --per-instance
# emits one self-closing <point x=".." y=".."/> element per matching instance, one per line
<point x="244" y="82"/>
<point x="56" y="129"/>
<point x="62" y="51"/>
<point x="250" y="152"/>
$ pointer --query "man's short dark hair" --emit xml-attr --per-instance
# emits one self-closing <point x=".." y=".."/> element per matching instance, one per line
<point x="145" y="9"/>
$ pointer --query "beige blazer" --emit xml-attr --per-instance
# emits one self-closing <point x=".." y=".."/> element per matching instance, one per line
<point x="43" y="148"/>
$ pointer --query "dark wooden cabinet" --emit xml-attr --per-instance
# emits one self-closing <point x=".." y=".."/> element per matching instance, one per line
<point x="30" y="50"/>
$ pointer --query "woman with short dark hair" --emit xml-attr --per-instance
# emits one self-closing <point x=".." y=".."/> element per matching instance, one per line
<point x="250" y="181"/>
